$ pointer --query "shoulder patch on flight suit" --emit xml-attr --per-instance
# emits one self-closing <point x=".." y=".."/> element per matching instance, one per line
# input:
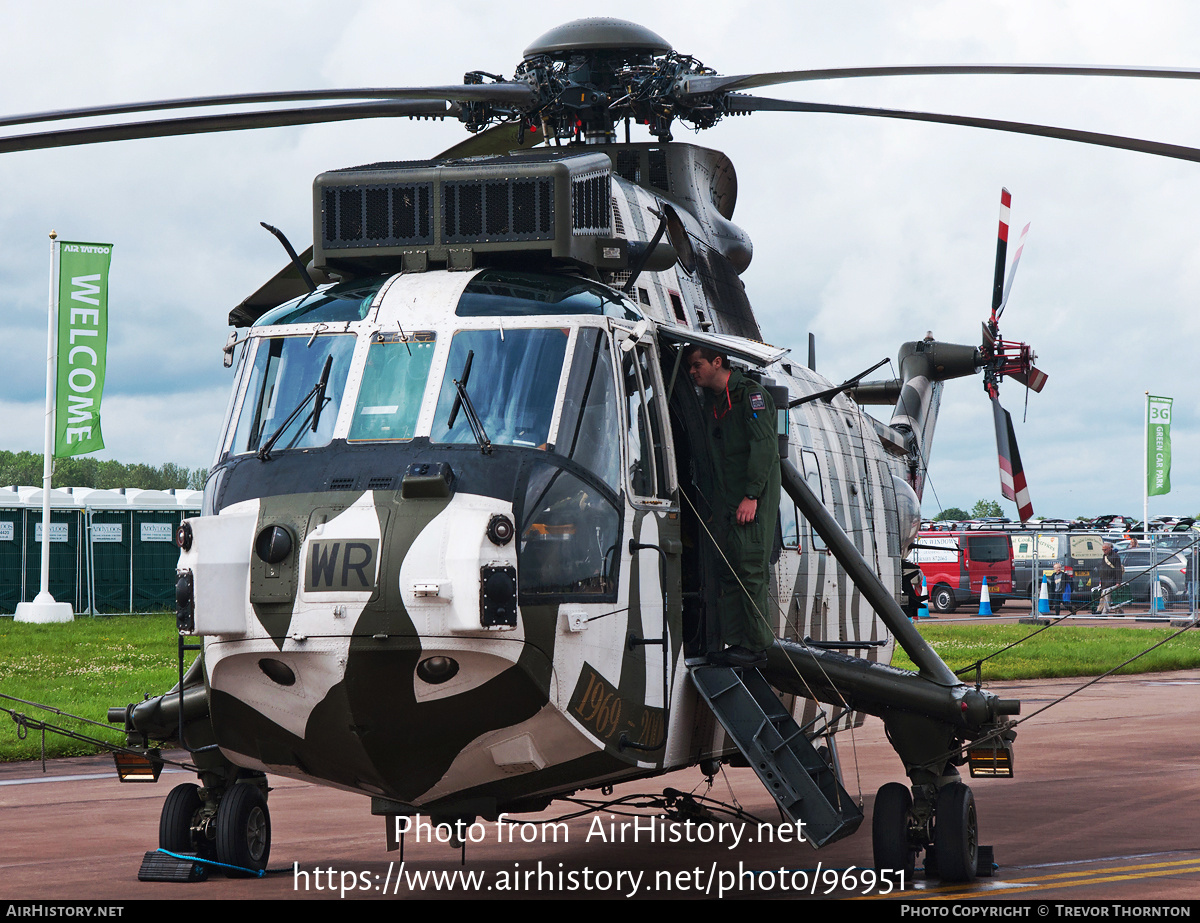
<point x="756" y="401"/>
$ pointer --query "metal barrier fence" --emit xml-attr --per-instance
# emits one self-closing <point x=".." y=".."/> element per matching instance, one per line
<point x="1160" y="571"/>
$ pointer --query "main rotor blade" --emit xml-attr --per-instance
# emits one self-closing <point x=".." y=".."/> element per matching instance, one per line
<point x="1179" y="152"/>
<point x="493" y="93"/>
<point x="700" y="86"/>
<point x="235" y="121"/>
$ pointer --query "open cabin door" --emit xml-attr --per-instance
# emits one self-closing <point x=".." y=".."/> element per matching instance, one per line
<point x="651" y="540"/>
<point x="694" y="471"/>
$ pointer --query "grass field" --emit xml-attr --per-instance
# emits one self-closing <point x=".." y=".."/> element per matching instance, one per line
<point x="83" y="668"/>
<point x="1062" y="650"/>
<point x="88" y="665"/>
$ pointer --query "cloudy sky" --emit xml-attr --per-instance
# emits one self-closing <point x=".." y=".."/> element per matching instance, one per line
<point x="867" y="232"/>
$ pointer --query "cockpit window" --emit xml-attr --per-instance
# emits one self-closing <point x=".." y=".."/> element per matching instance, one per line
<point x="499" y="293"/>
<point x="347" y="301"/>
<point x="393" y="383"/>
<point x="570" y="535"/>
<point x="283" y="373"/>
<point x="512" y="385"/>
<point x="590" y="430"/>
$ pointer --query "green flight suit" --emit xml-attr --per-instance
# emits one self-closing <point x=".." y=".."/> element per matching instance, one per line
<point x="742" y="434"/>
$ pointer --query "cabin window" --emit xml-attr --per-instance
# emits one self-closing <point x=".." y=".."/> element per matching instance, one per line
<point x="789" y="523"/>
<point x="512" y="385"/>
<point x="282" y="374"/>
<point x="500" y="293"/>
<point x="677" y="307"/>
<point x="812" y="477"/>
<point x="644" y="435"/>
<point x="349" y="301"/>
<point x="393" y="383"/>
<point x="590" y="429"/>
<point x="570" y="533"/>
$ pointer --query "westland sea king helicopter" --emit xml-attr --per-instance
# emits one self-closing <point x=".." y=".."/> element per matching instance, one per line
<point x="455" y="551"/>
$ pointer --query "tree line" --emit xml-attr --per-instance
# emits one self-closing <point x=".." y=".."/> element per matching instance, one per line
<point x="982" y="509"/>
<point x="25" y="469"/>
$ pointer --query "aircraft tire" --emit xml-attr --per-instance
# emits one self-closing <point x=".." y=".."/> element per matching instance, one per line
<point x="243" y="829"/>
<point x="889" y="831"/>
<point x="175" y="823"/>
<point x="942" y="598"/>
<point x="956" y="833"/>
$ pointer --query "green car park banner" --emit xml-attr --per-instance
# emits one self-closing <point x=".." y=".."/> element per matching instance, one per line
<point x="1158" y="445"/>
<point x="82" y="346"/>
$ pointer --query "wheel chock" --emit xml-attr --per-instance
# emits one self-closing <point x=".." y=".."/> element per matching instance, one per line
<point x="985" y="863"/>
<point x="182" y="867"/>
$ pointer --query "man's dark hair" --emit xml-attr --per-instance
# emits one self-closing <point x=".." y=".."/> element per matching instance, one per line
<point x="706" y="353"/>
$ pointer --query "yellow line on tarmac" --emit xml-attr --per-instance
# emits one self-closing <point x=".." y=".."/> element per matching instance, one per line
<point x="1046" y="882"/>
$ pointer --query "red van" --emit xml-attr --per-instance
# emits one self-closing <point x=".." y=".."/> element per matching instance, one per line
<point x="955" y="563"/>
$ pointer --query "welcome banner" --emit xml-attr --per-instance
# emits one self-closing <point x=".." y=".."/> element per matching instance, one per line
<point x="82" y="346"/>
<point x="1158" y="445"/>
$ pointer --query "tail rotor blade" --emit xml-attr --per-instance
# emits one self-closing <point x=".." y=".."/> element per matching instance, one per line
<point x="1012" y="472"/>
<point x="1012" y="272"/>
<point x="1001" y="253"/>
<point x="1034" y="381"/>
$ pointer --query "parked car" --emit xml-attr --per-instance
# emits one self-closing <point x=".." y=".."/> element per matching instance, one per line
<point x="1139" y="574"/>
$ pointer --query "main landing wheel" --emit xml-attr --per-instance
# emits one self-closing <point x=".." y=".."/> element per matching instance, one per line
<point x="244" y="829"/>
<point x="175" y="824"/>
<point x="889" y="831"/>
<point x="956" y="833"/>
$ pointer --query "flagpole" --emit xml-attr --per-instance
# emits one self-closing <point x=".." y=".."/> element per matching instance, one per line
<point x="44" y="608"/>
<point x="1146" y="470"/>
<point x="48" y="443"/>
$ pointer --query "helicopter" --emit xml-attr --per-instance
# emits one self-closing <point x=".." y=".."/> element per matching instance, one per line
<point x="453" y="555"/>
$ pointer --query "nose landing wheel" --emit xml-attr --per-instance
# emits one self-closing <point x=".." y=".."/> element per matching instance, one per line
<point x="241" y="823"/>
<point x="178" y="822"/>
<point x="244" y="829"/>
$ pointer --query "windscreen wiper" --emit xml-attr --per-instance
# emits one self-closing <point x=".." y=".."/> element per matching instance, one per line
<point x="463" y="401"/>
<point x="318" y="392"/>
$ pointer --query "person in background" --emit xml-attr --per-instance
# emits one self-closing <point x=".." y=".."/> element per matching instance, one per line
<point x="1058" y="583"/>
<point x="1110" y="574"/>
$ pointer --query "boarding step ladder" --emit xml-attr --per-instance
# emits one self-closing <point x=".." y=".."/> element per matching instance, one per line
<point x="802" y="783"/>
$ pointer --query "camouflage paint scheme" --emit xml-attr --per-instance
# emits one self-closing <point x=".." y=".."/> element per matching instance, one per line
<point x="543" y="708"/>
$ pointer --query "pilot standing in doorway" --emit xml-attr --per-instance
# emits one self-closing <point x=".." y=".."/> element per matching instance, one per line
<point x="740" y="417"/>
